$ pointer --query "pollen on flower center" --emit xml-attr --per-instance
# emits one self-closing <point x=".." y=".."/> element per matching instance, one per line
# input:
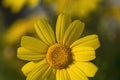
<point x="59" y="56"/>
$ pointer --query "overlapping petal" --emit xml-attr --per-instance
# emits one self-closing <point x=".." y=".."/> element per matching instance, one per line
<point x="62" y="24"/>
<point x="52" y="75"/>
<point x="46" y="73"/>
<point x="40" y="71"/>
<point x="73" y="32"/>
<point x="87" y="67"/>
<point x="75" y="73"/>
<point x="62" y="75"/>
<point x="27" y="68"/>
<point x="90" y="40"/>
<point x="29" y="55"/>
<point x="45" y="32"/>
<point x="33" y="44"/>
<point x="83" y="53"/>
<point x="66" y="75"/>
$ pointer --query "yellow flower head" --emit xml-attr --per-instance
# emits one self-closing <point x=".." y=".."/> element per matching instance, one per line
<point x="113" y="12"/>
<point x="19" y="28"/>
<point x="17" y="5"/>
<point x="80" y="8"/>
<point x="59" y="57"/>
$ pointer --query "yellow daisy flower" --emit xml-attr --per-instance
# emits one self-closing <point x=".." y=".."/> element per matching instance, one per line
<point x="113" y="12"/>
<point x="50" y="1"/>
<point x="64" y="57"/>
<point x="19" y="28"/>
<point x="17" y="5"/>
<point x="79" y="8"/>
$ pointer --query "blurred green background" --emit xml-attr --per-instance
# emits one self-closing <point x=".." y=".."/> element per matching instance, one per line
<point x="17" y="18"/>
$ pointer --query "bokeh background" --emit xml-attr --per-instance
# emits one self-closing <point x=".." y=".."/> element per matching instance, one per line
<point x="102" y="17"/>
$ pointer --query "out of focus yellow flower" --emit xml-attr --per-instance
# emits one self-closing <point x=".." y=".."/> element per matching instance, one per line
<point x="60" y="57"/>
<point x="32" y="3"/>
<point x="80" y="8"/>
<point x="50" y="1"/>
<point x="114" y="12"/>
<point x="19" y="28"/>
<point x="17" y="5"/>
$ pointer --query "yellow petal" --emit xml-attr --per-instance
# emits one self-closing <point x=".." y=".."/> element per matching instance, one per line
<point x="27" y="68"/>
<point x="29" y="55"/>
<point x="33" y="44"/>
<point x="88" y="68"/>
<point x="79" y="49"/>
<point x="75" y="73"/>
<point x="78" y="72"/>
<point x="38" y="70"/>
<point x="83" y="53"/>
<point x="90" y="40"/>
<point x="45" y="32"/>
<point x="63" y="75"/>
<point x="52" y="75"/>
<point x="62" y="23"/>
<point x="72" y="75"/>
<point x="73" y="32"/>
<point x="46" y="73"/>
<point x="58" y="75"/>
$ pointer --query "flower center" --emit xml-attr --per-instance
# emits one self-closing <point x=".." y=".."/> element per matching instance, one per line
<point x="59" y="56"/>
